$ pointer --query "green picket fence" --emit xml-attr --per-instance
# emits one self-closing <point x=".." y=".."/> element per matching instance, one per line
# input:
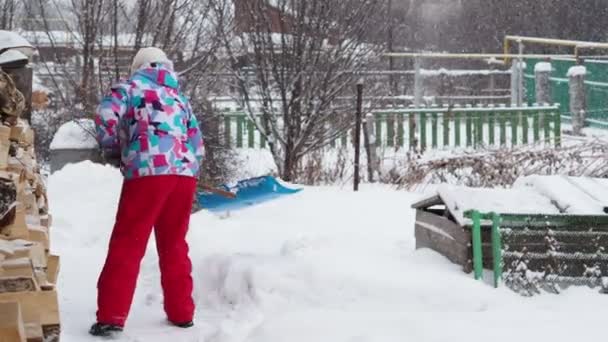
<point x="561" y="247"/>
<point x="596" y="85"/>
<point x="434" y="128"/>
<point x="468" y="127"/>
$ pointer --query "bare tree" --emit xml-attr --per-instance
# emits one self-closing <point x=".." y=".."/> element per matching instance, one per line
<point x="9" y="11"/>
<point x="297" y="57"/>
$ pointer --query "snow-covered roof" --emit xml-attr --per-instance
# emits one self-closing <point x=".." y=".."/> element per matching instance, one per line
<point x="14" y="41"/>
<point x="14" y="48"/>
<point x="75" y="134"/>
<point x="524" y="200"/>
<point x="12" y="56"/>
<point x="543" y="195"/>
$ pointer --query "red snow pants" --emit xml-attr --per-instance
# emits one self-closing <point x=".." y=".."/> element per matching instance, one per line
<point x="163" y="203"/>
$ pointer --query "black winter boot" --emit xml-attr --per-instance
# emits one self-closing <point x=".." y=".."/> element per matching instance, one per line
<point x="183" y="324"/>
<point x="104" y="330"/>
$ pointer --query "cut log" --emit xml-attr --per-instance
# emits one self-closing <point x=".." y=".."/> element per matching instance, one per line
<point x="18" y="276"/>
<point x="52" y="268"/>
<point x="18" y="229"/>
<point x="11" y="322"/>
<point x="33" y="332"/>
<point x="31" y="204"/>
<point x="8" y="199"/>
<point x="5" y="133"/>
<point x="22" y="133"/>
<point x="42" y="280"/>
<point x="12" y="101"/>
<point x="40" y="306"/>
<point x="27" y="249"/>
<point x="39" y="234"/>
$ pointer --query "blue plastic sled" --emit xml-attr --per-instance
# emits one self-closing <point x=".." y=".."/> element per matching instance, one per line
<point x="248" y="192"/>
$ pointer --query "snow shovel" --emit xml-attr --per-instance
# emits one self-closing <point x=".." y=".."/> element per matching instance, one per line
<point x="248" y="192"/>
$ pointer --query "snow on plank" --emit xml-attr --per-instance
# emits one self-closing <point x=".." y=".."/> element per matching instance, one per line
<point x="572" y="195"/>
<point x="460" y="199"/>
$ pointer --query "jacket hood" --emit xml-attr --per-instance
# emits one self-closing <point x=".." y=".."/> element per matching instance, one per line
<point x="159" y="74"/>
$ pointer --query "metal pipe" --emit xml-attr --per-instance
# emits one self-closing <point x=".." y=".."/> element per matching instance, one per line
<point x="551" y="41"/>
<point x="470" y="55"/>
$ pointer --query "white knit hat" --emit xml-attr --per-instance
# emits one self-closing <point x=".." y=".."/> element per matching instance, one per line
<point x="149" y="55"/>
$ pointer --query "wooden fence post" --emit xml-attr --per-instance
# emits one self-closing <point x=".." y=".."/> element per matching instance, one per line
<point x="370" y="145"/>
<point x="576" y="77"/>
<point x="358" y="132"/>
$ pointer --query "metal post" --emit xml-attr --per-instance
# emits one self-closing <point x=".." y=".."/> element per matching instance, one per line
<point x="369" y="140"/>
<point x="520" y="69"/>
<point x="496" y="249"/>
<point x="358" y="133"/>
<point x="477" y="250"/>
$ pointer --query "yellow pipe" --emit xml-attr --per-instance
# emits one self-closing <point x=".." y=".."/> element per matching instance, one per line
<point x="558" y="42"/>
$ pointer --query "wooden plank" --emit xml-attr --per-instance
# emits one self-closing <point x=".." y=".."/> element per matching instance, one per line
<point x="390" y="130"/>
<point x="599" y="222"/>
<point x="18" y="276"/>
<point x="39" y="234"/>
<point x="40" y="306"/>
<point x="444" y="225"/>
<point x="434" y="131"/>
<point x="25" y="249"/>
<point x="423" y="140"/>
<point x="18" y="229"/>
<point x="567" y="268"/>
<point x="53" y="267"/>
<point x="445" y="120"/>
<point x="455" y="252"/>
<point x="33" y="332"/>
<point x="428" y="202"/>
<point x="46" y="220"/>
<point x="11" y="322"/>
<point x="23" y="78"/>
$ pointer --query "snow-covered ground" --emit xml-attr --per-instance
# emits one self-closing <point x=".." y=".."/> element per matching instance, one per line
<point x="326" y="264"/>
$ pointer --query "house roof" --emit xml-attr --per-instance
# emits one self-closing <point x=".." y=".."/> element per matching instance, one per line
<point x="544" y="195"/>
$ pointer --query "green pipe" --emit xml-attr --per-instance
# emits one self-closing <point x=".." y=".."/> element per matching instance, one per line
<point x="477" y="251"/>
<point x="496" y="249"/>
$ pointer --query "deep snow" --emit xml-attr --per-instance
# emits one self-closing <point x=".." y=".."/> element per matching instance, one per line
<point x="326" y="264"/>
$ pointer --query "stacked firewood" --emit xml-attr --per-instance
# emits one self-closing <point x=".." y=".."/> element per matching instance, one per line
<point x="28" y="272"/>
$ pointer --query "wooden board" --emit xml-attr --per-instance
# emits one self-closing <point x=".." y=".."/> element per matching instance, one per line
<point x="41" y="306"/>
<point x="18" y="229"/>
<point x="11" y="322"/>
<point x="31" y="204"/>
<point x="39" y="234"/>
<point x="18" y="276"/>
<point x="22" y="133"/>
<point x="451" y="249"/>
<point x="53" y="267"/>
<point x="46" y="220"/>
<point x="35" y="251"/>
<point x="445" y="226"/>
<point x="33" y="332"/>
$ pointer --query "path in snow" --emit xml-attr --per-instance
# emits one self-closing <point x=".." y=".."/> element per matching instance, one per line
<point x="323" y="265"/>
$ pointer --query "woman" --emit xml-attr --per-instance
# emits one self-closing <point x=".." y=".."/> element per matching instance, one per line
<point x="149" y="123"/>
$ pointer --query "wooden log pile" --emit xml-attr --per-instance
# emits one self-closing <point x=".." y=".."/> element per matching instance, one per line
<point x="28" y="272"/>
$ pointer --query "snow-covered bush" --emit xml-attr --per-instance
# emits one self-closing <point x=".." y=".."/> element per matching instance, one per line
<point x="501" y="167"/>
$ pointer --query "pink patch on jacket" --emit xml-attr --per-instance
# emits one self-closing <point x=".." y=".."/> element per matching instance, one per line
<point x="160" y="161"/>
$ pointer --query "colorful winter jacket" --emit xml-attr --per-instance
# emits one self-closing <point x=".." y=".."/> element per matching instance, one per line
<point x="150" y="123"/>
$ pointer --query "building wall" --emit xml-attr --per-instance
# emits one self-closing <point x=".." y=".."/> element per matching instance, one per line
<point x="243" y="20"/>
